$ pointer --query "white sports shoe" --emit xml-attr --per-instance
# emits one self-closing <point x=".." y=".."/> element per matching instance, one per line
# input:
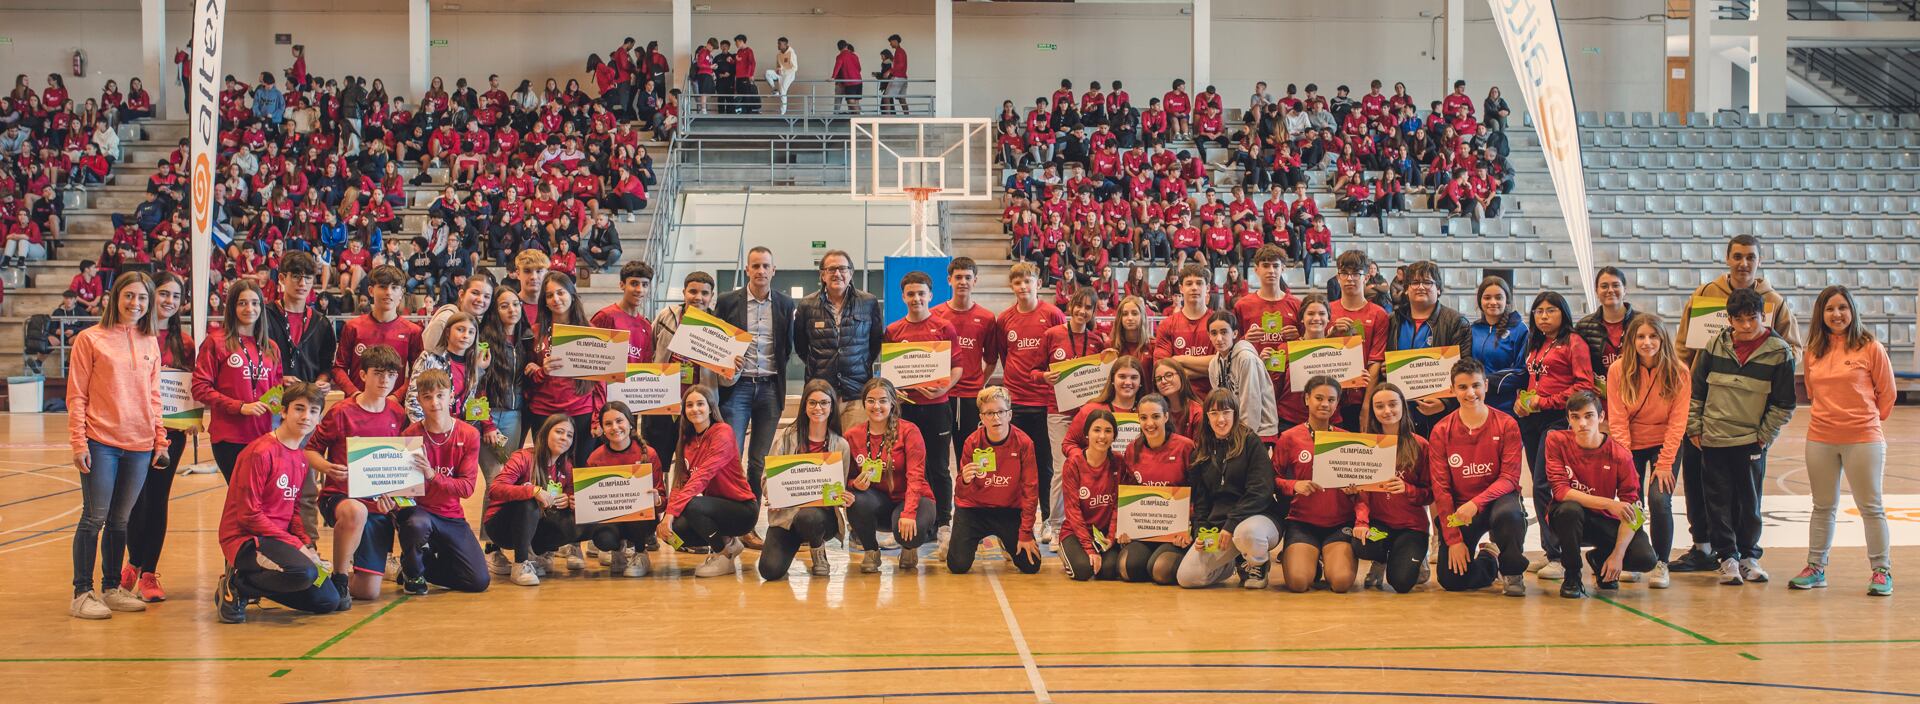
<point x="946" y="536"/>
<point x="733" y="549"/>
<point x="716" y="565"/>
<point x="119" y="599"/>
<point x="1658" y="578"/>
<point x="1730" y="572"/>
<point x="887" y="541"/>
<point x="89" y="607"/>
<point x="1750" y="570"/>
<point x="638" y="565"/>
<point x="498" y="563"/>
<point x="575" y="562"/>
<point x="617" y="560"/>
<point x="526" y="574"/>
<point x="1552" y="570"/>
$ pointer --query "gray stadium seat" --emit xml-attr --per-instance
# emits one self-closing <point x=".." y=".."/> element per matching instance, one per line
<point x="1855" y="229"/>
<point x="1698" y="120"/>
<point x="1749" y="140"/>
<point x="1828" y="140"/>
<point x="1809" y="120"/>
<point x="1808" y="205"/>
<point x="1698" y="251"/>
<point x="1689" y="205"/>
<point x="1739" y="161"/>
<point x="1683" y="160"/>
<point x="1699" y="182"/>
<point x="1851" y="162"/>
<point x="1705" y="228"/>
<point x="1644" y="120"/>
<point x="1720" y="139"/>
<point x="1768" y="161"/>
<point x="1825" y="161"/>
<point x="1665" y="252"/>
<point x="1859" y="140"/>
<point x="1899" y="182"/>
<point x="1790" y="160"/>
<point x="1631" y="205"/>
<point x="1842" y="181"/>
<point x="1671" y="181"/>
<point x="1635" y="252"/>
<point x="1751" y="121"/>
<point x="1645" y="278"/>
<point x="1587" y="118"/>
<point x="1760" y="228"/>
<point x="1681" y="278"/>
<point x="1664" y="139"/>
<point x="1637" y="181"/>
<point x="1900" y="278"/>
<point x="1672" y="119"/>
<point x="1779" y="140"/>
<point x="1429" y="227"/>
<point x="1608" y="140"/>
<point x="1639" y="140"/>
<point x="1617" y="120"/>
<point x="1864" y="205"/>
<point x="1612" y="228"/>
<point x="1826" y="229"/>
<point x="1870" y="279"/>
<point x="1646" y="228"/>
<point x="1675" y="228"/>
<point x="1779" y="120"/>
<point x="1886" y="140"/>
<point x="1886" y="229"/>
<point x="1897" y="205"/>
<point x="1878" y="253"/>
<point x="1756" y="181"/>
<point x="1727" y="181"/>
<point x="1660" y="205"/>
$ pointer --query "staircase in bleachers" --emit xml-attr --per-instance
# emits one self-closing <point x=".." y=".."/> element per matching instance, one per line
<point x="1833" y="200"/>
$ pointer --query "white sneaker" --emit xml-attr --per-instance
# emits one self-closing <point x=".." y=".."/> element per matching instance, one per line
<point x="1552" y="570"/>
<point x="119" y="599"/>
<point x="1730" y="572"/>
<point x="1047" y="534"/>
<point x="88" y="606"/>
<point x="617" y="560"/>
<point x="1537" y="565"/>
<point x="605" y="556"/>
<point x="887" y="542"/>
<point x="526" y="574"/>
<point x="733" y="549"/>
<point x="638" y="565"/>
<point x="498" y="563"/>
<point x="1751" y="571"/>
<point x="716" y="565"/>
<point x="543" y="564"/>
<point x="1658" y="578"/>
<point x="575" y="562"/>
<point x="946" y="536"/>
<point x="1632" y="577"/>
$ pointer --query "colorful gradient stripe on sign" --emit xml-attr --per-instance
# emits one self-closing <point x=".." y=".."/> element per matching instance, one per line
<point x="895" y="353"/>
<point x="1328" y="441"/>
<point x="833" y="493"/>
<point x="1300" y="349"/>
<point x="650" y="374"/>
<point x="587" y="479"/>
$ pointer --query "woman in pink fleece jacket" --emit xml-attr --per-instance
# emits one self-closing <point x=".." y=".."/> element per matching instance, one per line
<point x="1648" y="389"/>
<point x="113" y="417"/>
<point x="1850" y="382"/>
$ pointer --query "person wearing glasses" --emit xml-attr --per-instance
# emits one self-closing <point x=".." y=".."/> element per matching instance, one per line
<point x="837" y="332"/>
<point x="307" y="340"/>
<point x="1352" y="313"/>
<point x="1423" y="321"/>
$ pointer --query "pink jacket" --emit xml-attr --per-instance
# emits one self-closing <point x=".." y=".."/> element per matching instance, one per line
<point x="1651" y="420"/>
<point x="113" y="390"/>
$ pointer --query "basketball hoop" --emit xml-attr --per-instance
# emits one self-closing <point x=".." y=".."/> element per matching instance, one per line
<point x="917" y="161"/>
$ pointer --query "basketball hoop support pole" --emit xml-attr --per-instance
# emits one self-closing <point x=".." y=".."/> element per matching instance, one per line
<point x="918" y="243"/>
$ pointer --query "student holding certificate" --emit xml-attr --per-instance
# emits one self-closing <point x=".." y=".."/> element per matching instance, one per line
<point x="1426" y="322"/>
<point x="1123" y="388"/>
<point x="815" y="430"/>
<point x="1232" y="501"/>
<point x="715" y="506"/>
<point x="436" y="544"/>
<point x="1092" y="481"/>
<point x="1355" y="314"/>
<point x="622" y="446"/>
<point x="553" y="395"/>
<point x="1157" y="458"/>
<point x="261" y="538"/>
<point x="1319" y="521"/>
<point x="887" y="476"/>
<point x="530" y="502"/>
<point x="1315" y="315"/>
<point x="237" y="364"/>
<point x="1072" y="339"/>
<point x="930" y="409"/>
<point x="1398" y="513"/>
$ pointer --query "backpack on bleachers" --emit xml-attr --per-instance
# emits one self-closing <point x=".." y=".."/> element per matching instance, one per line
<point x="38" y="326"/>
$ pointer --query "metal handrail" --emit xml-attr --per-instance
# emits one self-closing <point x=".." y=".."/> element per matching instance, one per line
<point x="813" y="99"/>
<point x="1880" y="85"/>
<point x="1831" y="10"/>
<point x="765" y="161"/>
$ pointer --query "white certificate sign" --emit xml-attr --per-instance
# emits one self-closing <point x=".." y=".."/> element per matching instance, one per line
<point x="178" y="410"/>
<point x="649" y="389"/>
<point x="797" y="481"/>
<point x="588" y="353"/>
<point x="1423" y="373"/>
<point x="1081" y="379"/>
<point x="1128" y="431"/>
<point x="915" y="365"/>
<point x="708" y="341"/>
<point x="1342" y="358"/>
<point x="613" y="494"/>
<point x="1153" y="513"/>
<point x="384" y="467"/>
<point x="1353" y="459"/>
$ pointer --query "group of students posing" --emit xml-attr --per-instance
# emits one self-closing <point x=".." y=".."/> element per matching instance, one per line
<point x="1219" y="418"/>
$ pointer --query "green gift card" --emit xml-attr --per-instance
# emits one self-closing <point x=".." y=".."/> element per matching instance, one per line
<point x="1208" y="539"/>
<point x="479" y="409"/>
<point x="1100" y="540"/>
<point x="983" y="460"/>
<point x="273" y="398"/>
<point x="1271" y="321"/>
<point x="326" y="572"/>
<point x="1453" y="521"/>
<point x="873" y="468"/>
<point x="1376" y="534"/>
<point x="1276" y="359"/>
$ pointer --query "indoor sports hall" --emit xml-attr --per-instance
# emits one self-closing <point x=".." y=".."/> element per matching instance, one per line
<point x="985" y="351"/>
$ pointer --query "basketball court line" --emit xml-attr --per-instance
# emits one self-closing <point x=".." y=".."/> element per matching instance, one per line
<point x="330" y="642"/>
<point x="1128" y="692"/>
<point x="71" y="526"/>
<point x="1656" y="619"/>
<point x="1121" y="666"/>
<point x="1019" y="641"/>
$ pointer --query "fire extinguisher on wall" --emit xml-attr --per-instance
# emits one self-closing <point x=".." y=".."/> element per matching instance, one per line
<point x="79" y="63"/>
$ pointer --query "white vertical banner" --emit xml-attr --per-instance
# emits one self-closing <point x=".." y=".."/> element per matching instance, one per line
<point x="1530" y="29"/>
<point x="203" y="131"/>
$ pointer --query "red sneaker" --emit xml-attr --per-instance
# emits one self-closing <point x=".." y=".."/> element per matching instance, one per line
<point x="150" y="590"/>
<point x="128" y="575"/>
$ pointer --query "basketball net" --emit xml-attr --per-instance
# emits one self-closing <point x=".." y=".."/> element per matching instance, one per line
<point x="918" y="244"/>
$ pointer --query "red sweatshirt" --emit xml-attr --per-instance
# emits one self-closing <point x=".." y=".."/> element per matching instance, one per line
<point x="976" y="340"/>
<point x="636" y="453"/>
<point x="713" y="463"/>
<point x="1262" y="320"/>
<point x="1467" y="464"/>
<point x="1165" y="465"/>
<point x="262" y="496"/>
<point x="1076" y="440"/>
<point x="905" y="476"/>
<point x="1292" y="464"/>
<point x="226" y="380"/>
<point x="638" y="327"/>
<point x="518" y="479"/>
<point x="347" y="419"/>
<point x="1062" y="344"/>
<point x="1557" y="369"/>
<point x="1092" y="498"/>
<point x="1014" y="482"/>
<point x="1179" y="335"/>
<point x="1406" y="510"/>
<point x="455" y="459"/>
<point x="1025" y="353"/>
<point x="1606" y="471"/>
<point x="933" y="329"/>
<point x="363" y="332"/>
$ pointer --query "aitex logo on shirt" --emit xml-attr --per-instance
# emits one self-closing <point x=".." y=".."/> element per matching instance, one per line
<point x="1179" y="342"/>
<point x="1085" y="493"/>
<point x="1454" y="460"/>
<point x="1025" y="343"/>
<point x="234" y="360"/>
<point x="1580" y="486"/>
<point x="1478" y="469"/>
<point x="1095" y="501"/>
<point x="360" y="349"/>
<point x="1059" y="355"/>
<point x="997" y="480"/>
<point x="967" y="343"/>
<point x="285" y="486"/>
<point x="1013" y="335"/>
<point x="1306" y="456"/>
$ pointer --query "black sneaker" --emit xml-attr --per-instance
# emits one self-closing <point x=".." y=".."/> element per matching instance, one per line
<point x="343" y="585"/>
<point x="415" y="586"/>
<point x="1253" y="576"/>
<point x="1570" y="588"/>
<point x="227" y="602"/>
<point x="1612" y="586"/>
<point x="1694" y="561"/>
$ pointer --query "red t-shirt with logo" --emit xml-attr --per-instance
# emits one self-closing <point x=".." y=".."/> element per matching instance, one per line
<point x="1024" y="358"/>
<point x="364" y="332"/>
<point x="1179" y="335"/>
<point x="1062" y="344"/>
<point x="976" y="340"/>
<point x="1472" y="464"/>
<point x="1292" y="464"/>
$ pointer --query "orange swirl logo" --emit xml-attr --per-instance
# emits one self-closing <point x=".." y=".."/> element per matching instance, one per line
<point x="202" y="193"/>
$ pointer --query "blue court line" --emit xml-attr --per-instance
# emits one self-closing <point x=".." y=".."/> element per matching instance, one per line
<point x="35" y="470"/>
<point x="1121" y="692"/>
<point x="71" y="526"/>
<point x="37" y="498"/>
<point x="1146" y="666"/>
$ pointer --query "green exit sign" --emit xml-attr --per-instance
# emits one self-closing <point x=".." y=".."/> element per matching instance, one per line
<point x="819" y="244"/>
<point x="6" y="40"/>
<point x="1046" y="47"/>
<point x="437" y="42"/>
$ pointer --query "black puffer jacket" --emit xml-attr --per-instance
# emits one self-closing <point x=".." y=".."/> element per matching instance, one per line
<point x="841" y="351"/>
<point x="1228" y="490"/>
<point x="1593" y="329"/>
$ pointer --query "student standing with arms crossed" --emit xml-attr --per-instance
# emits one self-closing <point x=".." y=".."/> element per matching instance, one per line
<point x="929" y="410"/>
<point x="1850" y="381"/>
<point x="1648" y="390"/>
<point x="262" y="539"/>
<point x="113" y="418"/>
<point x="976" y="350"/>
<point x="237" y="364"/>
<point x="1743" y="273"/>
<point x="998" y="491"/>
<point x="1743" y="396"/>
<point x="1473" y="460"/>
<point x="147" y="525"/>
<point x="1595" y="489"/>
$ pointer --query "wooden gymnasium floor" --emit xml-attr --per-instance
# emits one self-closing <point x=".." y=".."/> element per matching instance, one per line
<point x="986" y="637"/>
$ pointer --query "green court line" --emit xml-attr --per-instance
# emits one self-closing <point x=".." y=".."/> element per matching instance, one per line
<point x="848" y="656"/>
<point x="1656" y="619"/>
<point x="1749" y="656"/>
<point x="280" y="673"/>
<point x="350" y="629"/>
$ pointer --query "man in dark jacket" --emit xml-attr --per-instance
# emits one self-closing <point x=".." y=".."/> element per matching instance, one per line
<point x="1423" y="321"/>
<point x="603" y="244"/>
<point x="306" y="339"/>
<point x="837" y="332"/>
<point x="751" y="401"/>
<point x="1605" y="330"/>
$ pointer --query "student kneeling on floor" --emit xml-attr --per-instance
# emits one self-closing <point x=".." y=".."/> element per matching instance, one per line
<point x="1595" y="488"/>
<point x="260" y="533"/>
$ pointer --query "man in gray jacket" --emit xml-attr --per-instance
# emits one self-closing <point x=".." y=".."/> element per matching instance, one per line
<point x="1237" y="368"/>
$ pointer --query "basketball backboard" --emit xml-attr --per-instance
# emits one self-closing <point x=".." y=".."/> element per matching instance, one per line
<point x="912" y="158"/>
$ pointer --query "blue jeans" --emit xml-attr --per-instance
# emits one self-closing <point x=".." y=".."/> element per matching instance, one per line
<point x="752" y="408"/>
<point x="107" y="495"/>
<point x="493" y="458"/>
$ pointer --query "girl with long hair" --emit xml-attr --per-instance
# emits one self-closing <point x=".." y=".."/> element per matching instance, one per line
<point x="1850" y="380"/>
<point x="1157" y="458"/>
<point x="886" y="475"/>
<point x="1399" y="509"/>
<point x="1184" y="415"/>
<point x="502" y="330"/>
<point x="236" y="367"/>
<point x="1232" y="479"/>
<point x="1130" y="337"/>
<point x="575" y="398"/>
<point x="715" y="506"/>
<point x="815" y="430"/>
<point x="622" y="446"/>
<point x="1649" y="391"/>
<point x="1558" y="364"/>
<point x="1320" y="521"/>
<point x="530" y="502"/>
<point x="147" y="525"/>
